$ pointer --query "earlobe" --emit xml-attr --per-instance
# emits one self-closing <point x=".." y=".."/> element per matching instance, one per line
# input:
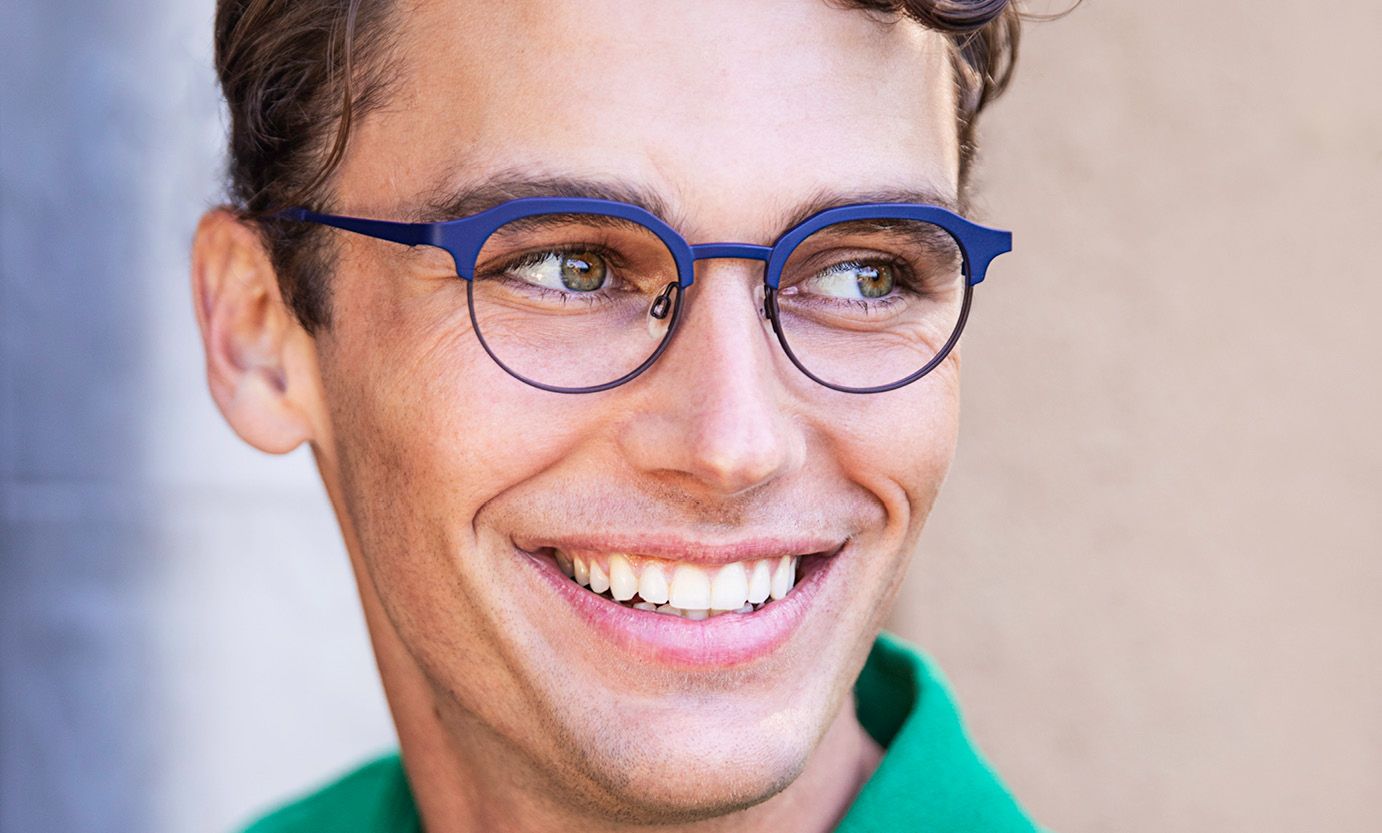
<point x="266" y="391"/>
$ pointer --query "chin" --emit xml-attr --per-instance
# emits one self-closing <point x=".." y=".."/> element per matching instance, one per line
<point x="693" y="781"/>
<point x="660" y="756"/>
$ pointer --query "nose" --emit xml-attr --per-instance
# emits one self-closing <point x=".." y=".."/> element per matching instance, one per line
<point x="716" y="413"/>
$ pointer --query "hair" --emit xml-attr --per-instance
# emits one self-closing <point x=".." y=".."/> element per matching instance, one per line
<point x="296" y="74"/>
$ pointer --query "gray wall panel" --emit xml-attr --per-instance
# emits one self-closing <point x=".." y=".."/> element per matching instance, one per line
<point x="178" y="630"/>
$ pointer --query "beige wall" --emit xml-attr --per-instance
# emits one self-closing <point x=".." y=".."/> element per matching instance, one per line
<point x="1155" y="573"/>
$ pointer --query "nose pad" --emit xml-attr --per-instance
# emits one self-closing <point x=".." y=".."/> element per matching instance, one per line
<point x="766" y="300"/>
<point x="662" y="304"/>
<point x="660" y="308"/>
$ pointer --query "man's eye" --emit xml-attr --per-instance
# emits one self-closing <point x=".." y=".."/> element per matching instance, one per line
<point x="854" y="280"/>
<point x="563" y="271"/>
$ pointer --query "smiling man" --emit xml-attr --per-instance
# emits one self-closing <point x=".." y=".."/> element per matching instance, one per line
<point x="624" y="337"/>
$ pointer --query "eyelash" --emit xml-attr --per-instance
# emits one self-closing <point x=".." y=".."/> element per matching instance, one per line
<point x="905" y="281"/>
<point x="536" y="256"/>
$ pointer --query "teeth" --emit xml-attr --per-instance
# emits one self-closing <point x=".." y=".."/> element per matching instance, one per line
<point x="652" y="583"/>
<point x="673" y="610"/>
<point x="761" y="580"/>
<point x="784" y="576"/>
<point x="730" y="587"/>
<point x="599" y="582"/>
<point x="690" y="588"/>
<point x="693" y="592"/>
<point x="622" y="582"/>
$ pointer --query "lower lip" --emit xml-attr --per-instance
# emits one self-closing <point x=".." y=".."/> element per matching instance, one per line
<point x="720" y="641"/>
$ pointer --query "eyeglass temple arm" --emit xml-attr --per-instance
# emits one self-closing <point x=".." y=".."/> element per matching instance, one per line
<point x="409" y="234"/>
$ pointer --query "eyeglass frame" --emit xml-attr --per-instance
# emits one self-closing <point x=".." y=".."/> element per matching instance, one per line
<point x="464" y="238"/>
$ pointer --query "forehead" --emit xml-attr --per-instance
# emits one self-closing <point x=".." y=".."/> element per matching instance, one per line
<point x="730" y="110"/>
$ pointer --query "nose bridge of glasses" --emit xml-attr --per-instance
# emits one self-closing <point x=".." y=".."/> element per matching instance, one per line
<point x="736" y="251"/>
<point x="732" y="251"/>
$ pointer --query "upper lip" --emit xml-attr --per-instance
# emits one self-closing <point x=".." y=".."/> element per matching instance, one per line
<point x="674" y="547"/>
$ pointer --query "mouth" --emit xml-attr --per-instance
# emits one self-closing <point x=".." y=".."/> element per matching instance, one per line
<point x="678" y="588"/>
<point x="689" y="613"/>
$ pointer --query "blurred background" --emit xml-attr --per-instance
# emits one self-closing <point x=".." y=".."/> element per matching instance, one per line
<point x="1153" y="576"/>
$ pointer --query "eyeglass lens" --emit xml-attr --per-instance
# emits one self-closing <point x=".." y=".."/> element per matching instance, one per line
<point x="578" y="301"/>
<point x="568" y="300"/>
<point x="869" y="303"/>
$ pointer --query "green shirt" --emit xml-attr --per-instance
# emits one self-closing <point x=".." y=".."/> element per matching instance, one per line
<point x="931" y="778"/>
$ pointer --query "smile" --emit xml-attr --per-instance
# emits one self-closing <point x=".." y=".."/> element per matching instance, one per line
<point x="680" y="588"/>
<point x="669" y="602"/>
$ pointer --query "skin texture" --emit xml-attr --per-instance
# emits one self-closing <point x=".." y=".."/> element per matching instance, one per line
<point x="512" y="713"/>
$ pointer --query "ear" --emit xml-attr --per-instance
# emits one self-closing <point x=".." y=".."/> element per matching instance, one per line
<point x="261" y="364"/>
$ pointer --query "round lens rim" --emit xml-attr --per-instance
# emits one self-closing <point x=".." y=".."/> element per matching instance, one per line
<point x="770" y="305"/>
<point x="648" y="362"/>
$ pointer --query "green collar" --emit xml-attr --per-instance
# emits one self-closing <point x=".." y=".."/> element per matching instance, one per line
<point x="931" y="778"/>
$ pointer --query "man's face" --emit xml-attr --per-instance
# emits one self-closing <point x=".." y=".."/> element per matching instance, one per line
<point x="456" y="482"/>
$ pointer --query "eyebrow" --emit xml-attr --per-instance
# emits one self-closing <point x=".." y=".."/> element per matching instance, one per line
<point x="823" y="200"/>
<point x="452" y="203"/>
<point x="465" y="200"/>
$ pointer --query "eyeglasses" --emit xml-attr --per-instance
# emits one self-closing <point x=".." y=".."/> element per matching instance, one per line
<point x="579" y="295"/>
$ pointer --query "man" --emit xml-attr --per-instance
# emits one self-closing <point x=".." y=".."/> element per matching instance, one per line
<point x="627" y="510"/>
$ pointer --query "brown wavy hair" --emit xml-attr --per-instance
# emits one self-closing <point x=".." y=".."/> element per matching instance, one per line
<point x="296" y="74"/>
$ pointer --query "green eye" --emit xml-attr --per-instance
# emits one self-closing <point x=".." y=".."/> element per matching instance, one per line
<point x="874" y="280"/>
<point x="854" y="279"/>
<point x="583" y="271"/>
<point x="575" y="271"/>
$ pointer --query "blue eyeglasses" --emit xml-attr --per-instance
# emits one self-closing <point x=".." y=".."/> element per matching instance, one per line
<point x="578" y="295"/>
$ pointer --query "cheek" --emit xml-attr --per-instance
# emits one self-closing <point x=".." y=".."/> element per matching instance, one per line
<point x="899" y="445"/>
<point x="420" y="411"/>
<point x="428" y="431"/>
